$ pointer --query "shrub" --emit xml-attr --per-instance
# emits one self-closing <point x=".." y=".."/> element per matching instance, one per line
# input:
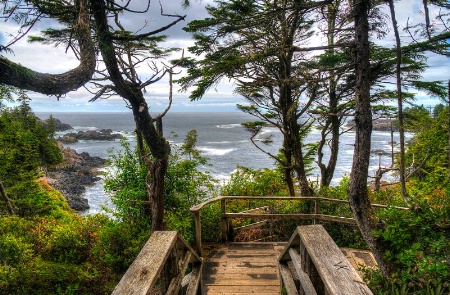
<point x="419" y="246"/>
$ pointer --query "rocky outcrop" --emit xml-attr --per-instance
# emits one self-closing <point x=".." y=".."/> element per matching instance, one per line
<point x="72" y="177"/>
<point x="59" y="126"/>
<point x="104" y="134"/>
<point x="377" y="125"/>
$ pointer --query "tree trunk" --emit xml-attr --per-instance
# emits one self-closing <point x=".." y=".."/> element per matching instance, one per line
<point x="57" y="84"/>
<point x="358" y="191"/>
<point x="157" y="167"/>
<point x="299" y="162"/>
<point x="287" y="152"/>
<point x="155" y="191"/>
<point x="5" y="198"/>
<point x="145" y="124"/>
<point x="327" y="171"/>
<point x="399" y="103"/>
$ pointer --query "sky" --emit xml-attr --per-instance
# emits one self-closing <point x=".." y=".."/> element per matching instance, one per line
<point x="46" y="58"/>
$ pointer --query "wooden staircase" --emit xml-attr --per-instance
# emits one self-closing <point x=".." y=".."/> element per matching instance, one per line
<point x="310" y="263"/>
<point x="243" y="268"/>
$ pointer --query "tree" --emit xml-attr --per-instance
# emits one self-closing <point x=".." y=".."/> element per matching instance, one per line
<point x="358" y="192"/>
<point x="260" y="45"/>
<point x="334" y="101"/>
<point x="96" y="24"/>
<point x="76" y="19"/>
<point x="185" y="186"/>
<point x="427" y="155"/>
<point x="437" y="110"/>
<point x="26" y="145"/>
<point x="429" y="44"/>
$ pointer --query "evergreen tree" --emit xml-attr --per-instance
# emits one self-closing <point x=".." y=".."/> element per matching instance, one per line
<point x="95" y="26"/>
<point x="262" y="46"/>
<point x="26" y="146"/>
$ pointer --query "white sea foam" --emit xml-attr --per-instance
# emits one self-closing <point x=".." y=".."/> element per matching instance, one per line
<point x="80" y="128"/>
<point x="222" y="177"/>
<point x="227" y="142"/>
<point x="215" y="152"/>
<point x="228" y="126"/>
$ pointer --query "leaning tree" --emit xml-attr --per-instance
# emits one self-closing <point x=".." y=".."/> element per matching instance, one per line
<point x="263" y="47"/>
<point x="91" y="27"/>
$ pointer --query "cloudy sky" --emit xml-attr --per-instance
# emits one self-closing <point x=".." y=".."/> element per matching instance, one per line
<point x="55" y="60"/>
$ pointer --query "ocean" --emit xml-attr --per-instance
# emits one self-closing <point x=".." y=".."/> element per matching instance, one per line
<point x="221" y="138"/>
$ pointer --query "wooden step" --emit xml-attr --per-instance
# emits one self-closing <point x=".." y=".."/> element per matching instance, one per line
<point x="243" y="268"/>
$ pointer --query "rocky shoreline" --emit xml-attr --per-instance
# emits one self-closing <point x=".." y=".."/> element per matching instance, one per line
<point x="104" y="134"/>
<point x="77" y="171"/>
<point x="377" y="125"/>
<point x="73" y="176"/>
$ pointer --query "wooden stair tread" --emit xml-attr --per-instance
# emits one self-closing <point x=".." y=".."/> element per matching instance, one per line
<point x="242" y="268"/>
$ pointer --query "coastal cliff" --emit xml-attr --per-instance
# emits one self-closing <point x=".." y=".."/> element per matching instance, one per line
<point x="72" y="176"/>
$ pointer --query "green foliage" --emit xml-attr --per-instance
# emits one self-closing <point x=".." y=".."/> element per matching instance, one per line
<point x="419" y="245"/>
<point x="37" y="198"/>
<point x="118" y="244"/>
<point x="54" y="255"/>
<point x="437" y="110"/>
<point x="125" y="180"/>
<point x="417" y="119"/>
<point x="428" y="151"/>
<point x="344" y="235"/>
<point x="249" y="182"/>
<point x="25" y="145"/>
<point x="185" y="186"/>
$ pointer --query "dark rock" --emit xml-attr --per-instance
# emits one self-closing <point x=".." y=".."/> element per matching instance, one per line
<point x="72" y="177"/>
<point x="68" y="139"/>
<point x="104" y="134"/>
<point x="377" y="125"/>
<point x="59" y="126"/>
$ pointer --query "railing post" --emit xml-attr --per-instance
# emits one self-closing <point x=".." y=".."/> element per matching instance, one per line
<point x="223" y="206"/>
<point x="198" y="232"/>
<point x="316" y="210"/>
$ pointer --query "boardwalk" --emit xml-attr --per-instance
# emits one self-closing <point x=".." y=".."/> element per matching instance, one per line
<point x="236" y="268"/>
<point x="252" y="268"/>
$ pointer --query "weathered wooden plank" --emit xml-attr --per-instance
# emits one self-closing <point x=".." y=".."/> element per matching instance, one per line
<point x="250" y="276"/>
<point x="288" y="281"/>
<point x="195" y="278"/>
<point x="146" y="268"/>
<point x="234" y="293"/>
<point x="241" y="282"/>
<point x="252" y="225"/>
<point x="299" y="216"/>
<point x="175" y="283"/>
<point x="256" y="259"/>
<point x="242" y="268"/>
<point x="338" y="276"/>
<point x="237" y="293"/>
<point x="280" y="198"/>
<point x="236" y="270"/>
<point x="251" y="246"/>
<point x="294" y="242"/>
<point x="305" y="282"/>
<point x="244" y="289"/>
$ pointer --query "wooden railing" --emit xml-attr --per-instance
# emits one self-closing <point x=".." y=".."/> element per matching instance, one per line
<point x="226" y="228"/>
<point x="160" y="268"/>
<point x="312" y="264"/>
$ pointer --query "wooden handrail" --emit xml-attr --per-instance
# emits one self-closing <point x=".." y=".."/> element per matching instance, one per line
<point x="161" y="267"/>
<point x="316" y="216"/>
<point x="319" y="264"/>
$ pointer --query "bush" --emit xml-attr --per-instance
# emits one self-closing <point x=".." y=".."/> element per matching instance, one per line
<point x="419" y="246"/>
<point x="249" y="182"/>
<point x="185" y="186"/>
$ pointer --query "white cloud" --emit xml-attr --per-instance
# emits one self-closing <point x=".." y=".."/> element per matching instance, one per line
<point x="55" y="60"/>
